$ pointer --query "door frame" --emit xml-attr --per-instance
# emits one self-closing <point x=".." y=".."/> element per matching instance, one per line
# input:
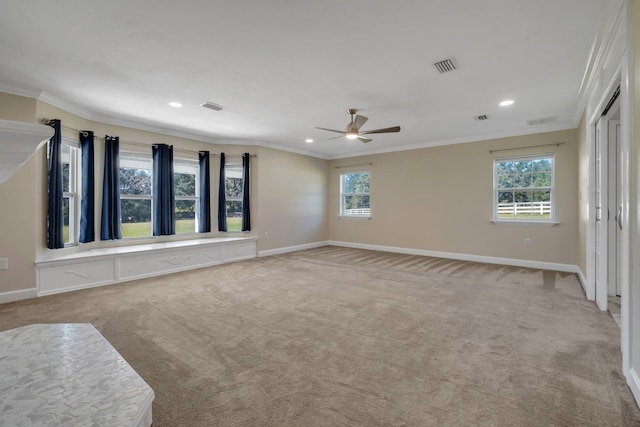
<point x="621" y="78"/>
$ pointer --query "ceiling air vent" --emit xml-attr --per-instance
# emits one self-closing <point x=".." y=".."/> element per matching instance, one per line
<point x="541" y="121"/>
<point x="212" y="106"/>
<point x="481" y="117"/>
<point x="446" y="65"/>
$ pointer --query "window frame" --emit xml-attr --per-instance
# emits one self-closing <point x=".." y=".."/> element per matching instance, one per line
<point x="189" y="163"/>
<point x="343" y="194"/>
<point x="139" y="156"/>
<point x="552" y="219"/>
<point x="72" y="193"/>
<point x="233" y="165"/>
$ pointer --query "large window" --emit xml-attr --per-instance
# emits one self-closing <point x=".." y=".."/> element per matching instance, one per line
<point x="185" y="178"/>
<point x="70" y="187"/>
<point x="233" y="181"/>
<point x="355" y="200"/>
<point x="135" y="194"/>
<point x="523" y="188"/>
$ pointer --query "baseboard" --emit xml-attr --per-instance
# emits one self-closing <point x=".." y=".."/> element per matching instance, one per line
<point x="569" y="268"/>
<point x="583" y="280"/>
<point x="634" y="384"/>
<point x="288" y="249"/>
<point x="13" y="296"/>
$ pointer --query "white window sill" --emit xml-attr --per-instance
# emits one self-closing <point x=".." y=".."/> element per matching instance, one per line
<point x="524" y="223"/>
<point x="356" y="217"/>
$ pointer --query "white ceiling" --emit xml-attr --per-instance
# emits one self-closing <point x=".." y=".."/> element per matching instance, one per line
<point x="281" y="66"/>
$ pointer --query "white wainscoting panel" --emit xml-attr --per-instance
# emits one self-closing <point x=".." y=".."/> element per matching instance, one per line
<point x="118" y="264"/>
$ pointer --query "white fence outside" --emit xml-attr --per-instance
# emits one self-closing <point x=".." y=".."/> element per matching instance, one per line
<point x="521" y="208"/>
<point x="359" y="211"/>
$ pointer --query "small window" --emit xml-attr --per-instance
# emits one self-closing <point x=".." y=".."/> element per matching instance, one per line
<point x="185" y="181"/>
<point x="523" y="189"/>
<point x="355" y="200"/>
<point x="70" y="187"/>
<point x="135" y="194"/>
<point x="233" y="177"/>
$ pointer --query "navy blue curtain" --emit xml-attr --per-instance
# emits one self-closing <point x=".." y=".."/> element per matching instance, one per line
<point x="204" y="211"/>
<point x="164" y="223"/>
<point x="222" y="198"/>
<point x="87" y="200"/>
<point x="111" y="215"/>
<point x="246" y="212"/>
<point x="55" y="212"/>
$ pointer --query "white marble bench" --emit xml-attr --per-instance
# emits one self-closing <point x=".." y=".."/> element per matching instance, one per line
<point x="68" y="375"/>
<point x="105" y="266"/>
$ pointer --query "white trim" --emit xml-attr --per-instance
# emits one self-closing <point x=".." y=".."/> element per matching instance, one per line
<point x="525" y="223"/>
<point x="213" y="139"/>
<point x="18" y="295"/>
<point x="287" y="249"/>
<point x="633" y="380"/>
<point x="569" y="268"/>
<point x="462" y="140"/>
<point x="583" y="280"/>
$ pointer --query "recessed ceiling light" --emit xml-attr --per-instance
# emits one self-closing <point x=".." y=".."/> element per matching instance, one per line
<point x="308" y="140"/>
<point x="506" y="102"/>
<point x="175" y="104"/>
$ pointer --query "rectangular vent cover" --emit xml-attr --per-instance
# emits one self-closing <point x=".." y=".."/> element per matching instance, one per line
<point x="481" y="117"/>
<point x="446" y="65"/>
<point x="212" y="106"/>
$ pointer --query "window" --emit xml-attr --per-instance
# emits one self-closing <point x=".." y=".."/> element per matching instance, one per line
<point x="71" y="187"/>
<point x="186" y="183"/>
<point x="135" y="194"/>
<point x="233" y="181"/>
<point x="523" y="189"/>
<point x="354" y="194"/>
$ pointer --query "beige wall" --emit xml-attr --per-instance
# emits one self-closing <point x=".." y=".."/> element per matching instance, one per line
<point x="291" y="221"/>
<point x="288" y="191"/>
<point x="440" y="199"/>
<point x="583" y="196"/>
<point x="437" y="199"/>
<point x="18" y="211"/>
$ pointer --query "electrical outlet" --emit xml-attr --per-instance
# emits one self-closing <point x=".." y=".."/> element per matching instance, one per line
<point x="527" y="242"/>
<point x="266" y="234"/>
<point x="4" y="263"/>
<point x="350" y="229"/>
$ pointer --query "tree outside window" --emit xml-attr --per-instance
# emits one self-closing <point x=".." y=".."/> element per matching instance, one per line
<point x="355" y="199"/>
<point x="135" y="195"/>
<point x="524" y="188"/>
<point x="233" y="187"/>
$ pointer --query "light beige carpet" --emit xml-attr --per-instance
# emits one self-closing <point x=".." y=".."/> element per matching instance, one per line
<point x="345" y="337"/>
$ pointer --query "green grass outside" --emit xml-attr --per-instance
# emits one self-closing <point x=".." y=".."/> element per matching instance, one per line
<point x="141" y="229"/>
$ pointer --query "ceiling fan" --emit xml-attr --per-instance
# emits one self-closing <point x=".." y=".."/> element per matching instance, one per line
<point x="353" y="128"/>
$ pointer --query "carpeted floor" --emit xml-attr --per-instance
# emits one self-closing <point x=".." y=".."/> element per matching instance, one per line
<point x="346" y="337"/>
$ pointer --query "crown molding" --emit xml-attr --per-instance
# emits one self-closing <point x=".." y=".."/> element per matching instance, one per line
<point x="18" y="90"/>
<point x="611" y="20"/>
<point x="462" y="140"/>
<point x="215" y="139"/>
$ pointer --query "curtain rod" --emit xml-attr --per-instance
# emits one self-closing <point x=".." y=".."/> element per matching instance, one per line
<point x="140" y="144"/>
<point x="353" y="166"/>
<point x="557" y="144"/>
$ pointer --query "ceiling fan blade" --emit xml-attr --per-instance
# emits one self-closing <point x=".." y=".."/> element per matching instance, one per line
<point x="359" y="121"/>
<point x="364" y="139"/>
<point x="331" y="139"/>
<point x="385" y="130"/>
<point x="330" y="130"/>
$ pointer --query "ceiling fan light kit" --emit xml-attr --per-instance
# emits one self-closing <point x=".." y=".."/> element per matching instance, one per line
<point x="353" y="128"/>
